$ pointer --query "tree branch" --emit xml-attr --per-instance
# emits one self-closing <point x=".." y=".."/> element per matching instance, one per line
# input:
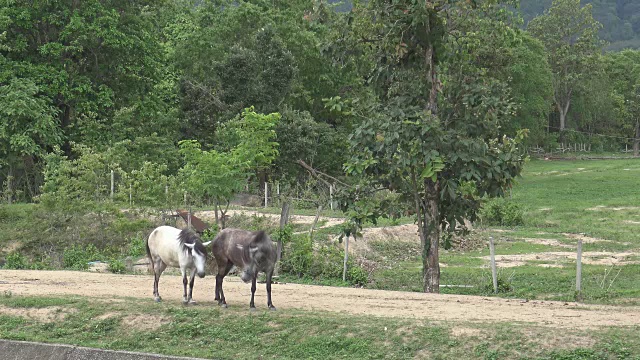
<point x="317" y="174"/>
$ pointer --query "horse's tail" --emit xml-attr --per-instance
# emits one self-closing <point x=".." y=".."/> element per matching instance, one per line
<point x="146" y="245"/>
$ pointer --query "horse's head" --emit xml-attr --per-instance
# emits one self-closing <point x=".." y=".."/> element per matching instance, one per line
<point x="199" y="254"/>
<point x="261" y="257"/>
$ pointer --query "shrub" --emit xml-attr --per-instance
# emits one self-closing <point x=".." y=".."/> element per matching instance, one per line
<point x="15" y="261"/>
<point x="357" y="275"/>
<point x="210" y="233"/>
<point x="116" y="266"/>
<point x="326" y="262"/>
<point x="137" y="246"/>
<point x="78" y="257"/>
<point x="502" y="212"/>
<point x="299" y="256"/>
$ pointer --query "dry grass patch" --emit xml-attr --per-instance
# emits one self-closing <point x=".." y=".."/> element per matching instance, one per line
<point x="44" y="315"/>
<point x="145" y="322"/>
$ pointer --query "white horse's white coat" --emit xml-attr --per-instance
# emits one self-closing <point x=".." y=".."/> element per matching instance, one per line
<point x="164" y="249"/>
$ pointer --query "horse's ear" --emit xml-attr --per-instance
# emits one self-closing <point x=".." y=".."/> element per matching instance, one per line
<point x="190" y="246"/>
<point x="206" y="243"/>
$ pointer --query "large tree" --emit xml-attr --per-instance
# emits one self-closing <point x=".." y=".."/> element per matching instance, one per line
<point x="432" y="129"/>
<point x="623" y="71"/>
<point x="570" y="35"/>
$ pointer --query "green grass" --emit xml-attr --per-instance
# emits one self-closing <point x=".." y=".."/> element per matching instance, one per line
<point x="211" y="332"/>
<point x="572" y="196"/>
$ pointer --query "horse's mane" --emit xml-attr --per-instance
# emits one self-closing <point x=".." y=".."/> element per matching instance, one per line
<point x="189" y="237"/>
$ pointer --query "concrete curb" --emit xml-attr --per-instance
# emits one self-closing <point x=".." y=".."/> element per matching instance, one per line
<point x="25" y="350"/>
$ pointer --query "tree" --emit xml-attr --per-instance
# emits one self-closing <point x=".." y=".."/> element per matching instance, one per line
<point x="433" y="129"/>
<point x="90" y="58"/>
<point x="219" y="174"/>
<point x="623" y="71"/>
<point x="570" y="35"/>
<point x="28" y="127"/>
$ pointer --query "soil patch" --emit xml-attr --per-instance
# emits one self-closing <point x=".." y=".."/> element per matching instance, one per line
<point x="379" y="303"/>
<point x="44" y="315"/>
<point x="144" y="322"/>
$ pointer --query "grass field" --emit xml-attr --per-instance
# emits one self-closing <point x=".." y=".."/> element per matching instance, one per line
<point x="561" y="199"/>
<point x="235" y="333"/>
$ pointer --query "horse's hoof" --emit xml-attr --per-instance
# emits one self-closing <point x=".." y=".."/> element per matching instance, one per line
<point x="272" y="308"/>
<point x="224" y="306"/>
<point x="192" y="302"/>
<point x="157" y="299"/>
<point x="252" y="308"/>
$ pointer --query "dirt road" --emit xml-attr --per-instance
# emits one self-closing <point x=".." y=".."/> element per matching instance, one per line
<point x="345" y="300"/>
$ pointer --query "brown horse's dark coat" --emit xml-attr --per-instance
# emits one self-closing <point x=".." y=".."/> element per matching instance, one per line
<point x="253" y="252"/>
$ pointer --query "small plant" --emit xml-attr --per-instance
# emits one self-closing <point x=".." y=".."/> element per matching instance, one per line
<point x="502" y="212"/>
<point x="210" y="233"/>
<point x="284" y="235"/>
<point x="357" y="275"/>
<point x="7" y="294"/>
<point x="298" y="258"/>
<point x="116" y="266"/>
<point x="78" y="257"/>
<point x="15" y="261"/>
<point x="137" y="246"/>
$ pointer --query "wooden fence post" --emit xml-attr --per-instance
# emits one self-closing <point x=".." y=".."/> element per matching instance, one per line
<point x="494" y="272"/>
<point x="346" y="257"/>
<point x="331" y="197"/>
<point x="315" y="222"/>
<point x="266" y="194"/>
<point x="112" y="184"/>
<point x="579" y="272"/>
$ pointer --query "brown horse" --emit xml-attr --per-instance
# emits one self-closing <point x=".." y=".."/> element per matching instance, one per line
<point x="253" y="252"/>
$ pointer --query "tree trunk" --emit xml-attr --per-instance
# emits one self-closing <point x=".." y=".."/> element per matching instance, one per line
<point x="216" y="206"/>
<point x="284" y="219"/>
<point x="10" y="185"/>
<point x="315" y="222"/>
<point x="563" y="109"/>
<point x="562" y="116"/>
<point x="636" y="141"/>
<point x="431" y="234"/>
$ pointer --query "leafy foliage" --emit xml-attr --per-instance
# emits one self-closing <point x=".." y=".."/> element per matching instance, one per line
<point x="77" y="257"/>
<point x="502" y="212"/>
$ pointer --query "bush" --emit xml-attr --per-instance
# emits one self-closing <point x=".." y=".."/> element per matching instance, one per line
<point x="502" y="212"/>
<point x="137" y="247"/>
<point x="116" y="266"/>
<point x="15" y="261"/>
<point x="357" y="276"/>
<point x="299" y="256"/>
<point x="325" y="263"/>
<point x="210" y="233"/>
<point x="78" y="257"/>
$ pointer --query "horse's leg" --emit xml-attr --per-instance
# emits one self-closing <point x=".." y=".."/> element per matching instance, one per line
<point x="191" y="281"/>
<point x="269" y="303"/>
<point x="219" y="279"/>
<point x="158" y="267"/>
<point x="221" y="265"/>
<point x="252" y="305"/>
<point x="184" y="283"/>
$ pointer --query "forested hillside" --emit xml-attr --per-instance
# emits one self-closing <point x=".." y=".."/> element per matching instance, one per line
<point x="620" y="19"/>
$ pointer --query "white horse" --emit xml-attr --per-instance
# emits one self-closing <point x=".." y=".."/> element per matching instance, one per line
<point x="169" y="246"/>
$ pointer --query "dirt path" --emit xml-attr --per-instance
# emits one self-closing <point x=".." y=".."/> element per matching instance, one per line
<point x="334" y="299"/>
